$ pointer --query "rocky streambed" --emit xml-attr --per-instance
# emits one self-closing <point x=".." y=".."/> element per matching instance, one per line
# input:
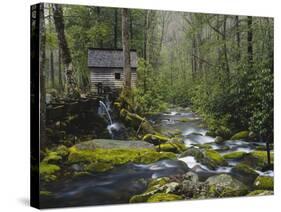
<point x="181" y="162"/>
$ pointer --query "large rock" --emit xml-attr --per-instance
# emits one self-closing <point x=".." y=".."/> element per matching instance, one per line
<point x="212" y="159"/>
<point x="208" y="157"/>
<point x="245" y="173"/>
<point x="258" y="160"/>
<point x="175" y="147"/>
<point x="240" y="135"/>
<point x="264" y="183"/>
<point x="112" y="144"/>
<point x="103" y="159"/>
<point x="155" y="139"/>
<point x="224" y="185"/>
<point x="195" y="152"/>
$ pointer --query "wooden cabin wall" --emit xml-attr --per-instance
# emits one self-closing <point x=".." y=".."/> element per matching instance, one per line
<point x="107" y="77"/>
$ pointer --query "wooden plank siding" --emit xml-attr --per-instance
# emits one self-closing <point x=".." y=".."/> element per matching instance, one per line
<point x="106" y="76"/>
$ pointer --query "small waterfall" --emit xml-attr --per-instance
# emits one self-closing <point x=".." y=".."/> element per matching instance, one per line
<point x="102" y="104"/>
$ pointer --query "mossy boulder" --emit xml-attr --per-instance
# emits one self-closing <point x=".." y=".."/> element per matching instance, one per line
<point x="184" y="119"/>
<point x="156" y="186"/>
<point x="234" y="155"/>
<point x="244" y="173"/>
<point x="240" y="135"/>
<point x="258" y="159"/>
<point x="195" y="152"/>
<point x="212" y="159"/>
<point x="155" y="183"/>
<point x="218" y="139"/>
<point x="100" y="160"/>
<point x="260" y="193"/>
<point x="264" y="183"/>
<point x="163" y="197"/>
<point x="48" y="171"/>
<point x="113" y="144"/>
<point x="175" y="147"/>
<point x="224" y="185"/>
<point x="155" y="139"/>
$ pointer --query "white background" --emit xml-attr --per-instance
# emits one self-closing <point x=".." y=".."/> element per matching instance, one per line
<point x="14" y="103"/>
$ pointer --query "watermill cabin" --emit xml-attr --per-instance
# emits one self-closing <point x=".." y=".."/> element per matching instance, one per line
<point x="106" y="69"/>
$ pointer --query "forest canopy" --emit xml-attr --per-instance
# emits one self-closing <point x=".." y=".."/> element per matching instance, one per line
<point x="220" y="65"/>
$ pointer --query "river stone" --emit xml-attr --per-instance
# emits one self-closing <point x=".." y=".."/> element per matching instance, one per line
<point x="244" y="173"/>
<point x="218" y="139"/>
<point x="195" y="152"/>
<point x="112" y="144"/>
<point x="224" y="185"/>
<point x="191" y="176"/>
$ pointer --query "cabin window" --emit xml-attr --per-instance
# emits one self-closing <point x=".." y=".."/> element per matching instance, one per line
<point x="117" y="76"/>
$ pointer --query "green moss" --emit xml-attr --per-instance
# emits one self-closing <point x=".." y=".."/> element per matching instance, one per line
<point x="184" y="120"/>
<point x="175" y="147"/>
<point x="62" y="150"/>
<point x="46" y="193"/>
<point x="163" y="197"/>
<point x="156" y="138"/>
<point x="117" y="105"/>
<point x="247" y="170"/>
<point x="215" y="157"/>
<point x="156" y="183"/>
<point x="234" y="155"/>
<point x="258" y="159"/>
<point x="55" y="155"/>
<point x="204" y="146"/>
<point x="240" y="135"/>
<point x="245" y="173"/>
<point x="175" y="132"/>
<point x="139" y="198"/>
<point x="264" y="183"/>
<point x="47" y="171"/>
<point x="260" y="193"/>
<point x="51" y="157"/>
<point x="104" y="159"/>
<point x="224" y="185"/>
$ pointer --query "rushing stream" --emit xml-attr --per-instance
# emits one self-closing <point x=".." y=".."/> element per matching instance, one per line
<point x="118" y="185"/>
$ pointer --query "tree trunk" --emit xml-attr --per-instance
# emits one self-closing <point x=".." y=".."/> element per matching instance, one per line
<point x="42" y="63"/>
<point x="145" y="34"/>
<point x="225" y="47"/>
<point x="250" y="42"/>
<point x="99" y="18"/>
<point x="115" y="28"/>
<point x="60" y="72"/>
<point x="65" y="52"/>
<point x="52" y="68"/>
<point x="51" y="65"/>
<point x="126" y="50"/>
<point x="131" y="27"/>
<point x="237" y="37"/>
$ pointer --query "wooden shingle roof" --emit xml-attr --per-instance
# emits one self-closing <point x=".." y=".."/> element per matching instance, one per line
<point x="109" y="58"/>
